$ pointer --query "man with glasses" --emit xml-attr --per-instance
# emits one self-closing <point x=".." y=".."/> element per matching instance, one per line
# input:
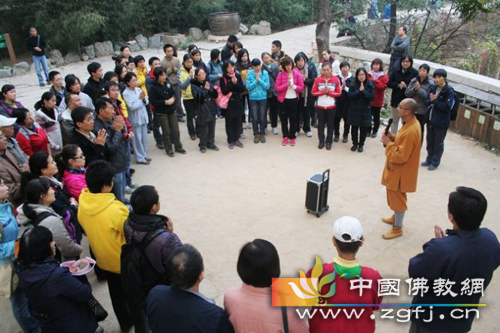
<point x="400" y="174"/>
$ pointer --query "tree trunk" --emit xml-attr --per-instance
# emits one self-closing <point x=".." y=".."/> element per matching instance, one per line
<point x="392" y="30"/>
<point x="323" y="26"/>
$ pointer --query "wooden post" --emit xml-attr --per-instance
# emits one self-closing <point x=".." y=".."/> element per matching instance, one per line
<point x="10" y="48"/>
<point x="323" y="27"/>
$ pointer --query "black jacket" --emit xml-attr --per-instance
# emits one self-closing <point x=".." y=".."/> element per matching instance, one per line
<point x="360" y="109"/>
<point x="343" y="102"/>
<point x="170" y="309"/>
<point x="92" y="88"/>
<point x="235" y="103"/>
<point x="395" y="79"/>
<point x="158" y="94"/>
<point x="226" y="53"/>
<point x="116" y="147"/>
<point x="91" y="151"/>
<point x="36" y="41"/>
<point x="57" y="299"/>
<point x="206" y="109"/>
<point x="439" y="112"/>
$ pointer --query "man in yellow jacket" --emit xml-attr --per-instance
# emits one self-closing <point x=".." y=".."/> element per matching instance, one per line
<point x="401" y="167"/>
<point x="102" y="217"/>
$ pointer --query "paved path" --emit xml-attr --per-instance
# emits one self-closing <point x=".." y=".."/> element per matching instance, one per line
<point x="220" y="200"/>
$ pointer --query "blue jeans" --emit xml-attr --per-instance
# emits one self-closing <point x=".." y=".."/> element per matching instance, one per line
<point x="22" y="313"/>
<point x="40" y="62"/>
<point x="258" y="115"/>
<point x="119" y="183"/>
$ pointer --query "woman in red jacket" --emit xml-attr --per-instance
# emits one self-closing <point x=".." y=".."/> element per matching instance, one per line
<point x="327" y="88"/>
<point x="31" y="136"/>
<point x="379" y="80"/>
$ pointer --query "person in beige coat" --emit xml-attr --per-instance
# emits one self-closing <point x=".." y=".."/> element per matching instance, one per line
<point x="401" y="168"/>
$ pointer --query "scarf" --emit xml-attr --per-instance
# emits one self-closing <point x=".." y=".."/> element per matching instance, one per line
<point x="79" y="171"/>
<point x="347" y="269"/>
<point x="146" y="223"/>
<point x="376" y="75"/>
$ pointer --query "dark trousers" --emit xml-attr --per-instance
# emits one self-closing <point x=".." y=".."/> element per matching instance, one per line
<point x="206" y="134"/>
<point x="190" y="106"/>
<point x="341" y="115"/>
<point x="178" y="105"/>
<point x="376" y="119"/>
<point x="435" y="144"/>
<point x="233" y="129"/>
<point x="119" y="300"/>
<point x="288" y="116"/>
<point x="325" y="117"/>
<point x="273" y="110"/>
<point x="421" y="120"/>
<point x="359" y="135"/>
<point x="156" y="130"/>
<point x="303" y="113"/>
<point x="170" y="129"/>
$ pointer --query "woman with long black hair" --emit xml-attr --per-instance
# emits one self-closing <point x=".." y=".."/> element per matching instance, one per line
<point x="204" y="96"/>
<point x="361" y="94"/>
<point x="231" y="85"/>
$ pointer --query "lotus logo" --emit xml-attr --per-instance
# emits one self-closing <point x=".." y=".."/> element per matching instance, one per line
<point x="311" y="287"/>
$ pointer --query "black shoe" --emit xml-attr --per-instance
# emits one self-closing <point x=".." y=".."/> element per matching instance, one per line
<point x="170" y="153"/>
<point x="203" y="150"/>
<point x="328" y="146"/>
<point x="336" y="138"/>
<point x="374" y="135"/>
<point x="213" y="147"/>
<point x="42" y="84"/>
<point x="160" y="146"/>
<point x="321" y="145"/>
<point x="180" y="151"/>
<point x="354" y="147"/>
<point x="360" y="149"/>
<point x="181" y="120"/>
<point x="344" y="139"/>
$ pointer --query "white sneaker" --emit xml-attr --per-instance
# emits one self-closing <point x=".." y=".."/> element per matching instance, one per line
<point x="309" y="134"/>
<point x="275" y="130"/>
<point x="128" y="190"/>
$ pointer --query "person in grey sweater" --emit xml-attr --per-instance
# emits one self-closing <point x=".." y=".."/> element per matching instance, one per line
<point x="418" y="89"/>
<point x="36" y="211"/>
<point x="400" y="47"/>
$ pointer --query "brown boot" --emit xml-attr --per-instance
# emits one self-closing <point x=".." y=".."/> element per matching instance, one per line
<point x="394" y="233"/>
<point x="389" y="220"/>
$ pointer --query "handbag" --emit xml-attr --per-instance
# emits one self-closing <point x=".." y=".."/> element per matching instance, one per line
<point x="97" y="309"/>
<point x="222" y="100"/>
<point x="8" y="276"/>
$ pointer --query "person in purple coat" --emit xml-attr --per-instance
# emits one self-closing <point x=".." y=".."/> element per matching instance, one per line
<point x="153" y="234"/>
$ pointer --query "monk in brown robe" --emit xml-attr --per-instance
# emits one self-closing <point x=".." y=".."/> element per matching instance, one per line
<point x="401" y="167"/>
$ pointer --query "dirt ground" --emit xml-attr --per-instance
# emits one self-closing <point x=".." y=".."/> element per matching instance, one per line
<point x="220" y="200"/>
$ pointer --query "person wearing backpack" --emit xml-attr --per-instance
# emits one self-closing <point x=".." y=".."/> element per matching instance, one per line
<point x="150" y="241"/>
<point x="37" y="210"/>
<point x="442" y="103"/>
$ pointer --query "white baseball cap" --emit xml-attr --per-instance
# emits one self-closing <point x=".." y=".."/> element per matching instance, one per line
<point x="350" y="226"/>
<point x="4" y="121"/>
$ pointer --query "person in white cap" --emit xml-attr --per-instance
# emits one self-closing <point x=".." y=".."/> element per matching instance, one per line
<point x="7" y="128"/>
<point x="347" y="239"/>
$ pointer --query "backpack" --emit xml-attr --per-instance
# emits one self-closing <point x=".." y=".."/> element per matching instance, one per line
<point x="34" y="222"/>
<point x="138" y="276"/>
<point x="456" y="105"/>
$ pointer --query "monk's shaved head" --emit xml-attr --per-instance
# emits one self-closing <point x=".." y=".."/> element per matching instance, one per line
<point x="410" y="104"/>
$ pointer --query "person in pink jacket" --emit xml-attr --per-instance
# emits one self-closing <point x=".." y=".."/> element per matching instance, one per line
<point x="71" y="163"/>
<point x="289" y="84"/>
<point x="249" y="306"/>
<point x="380" y="80"/>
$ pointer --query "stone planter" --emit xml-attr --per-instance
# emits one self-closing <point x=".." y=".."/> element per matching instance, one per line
<point x="224" y="23"/>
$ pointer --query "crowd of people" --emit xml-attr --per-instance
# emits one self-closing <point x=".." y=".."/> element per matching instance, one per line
<point x="65" y="172"/>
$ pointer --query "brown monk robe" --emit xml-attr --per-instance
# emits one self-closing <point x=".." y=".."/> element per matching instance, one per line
<point x="401" y="167"/>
